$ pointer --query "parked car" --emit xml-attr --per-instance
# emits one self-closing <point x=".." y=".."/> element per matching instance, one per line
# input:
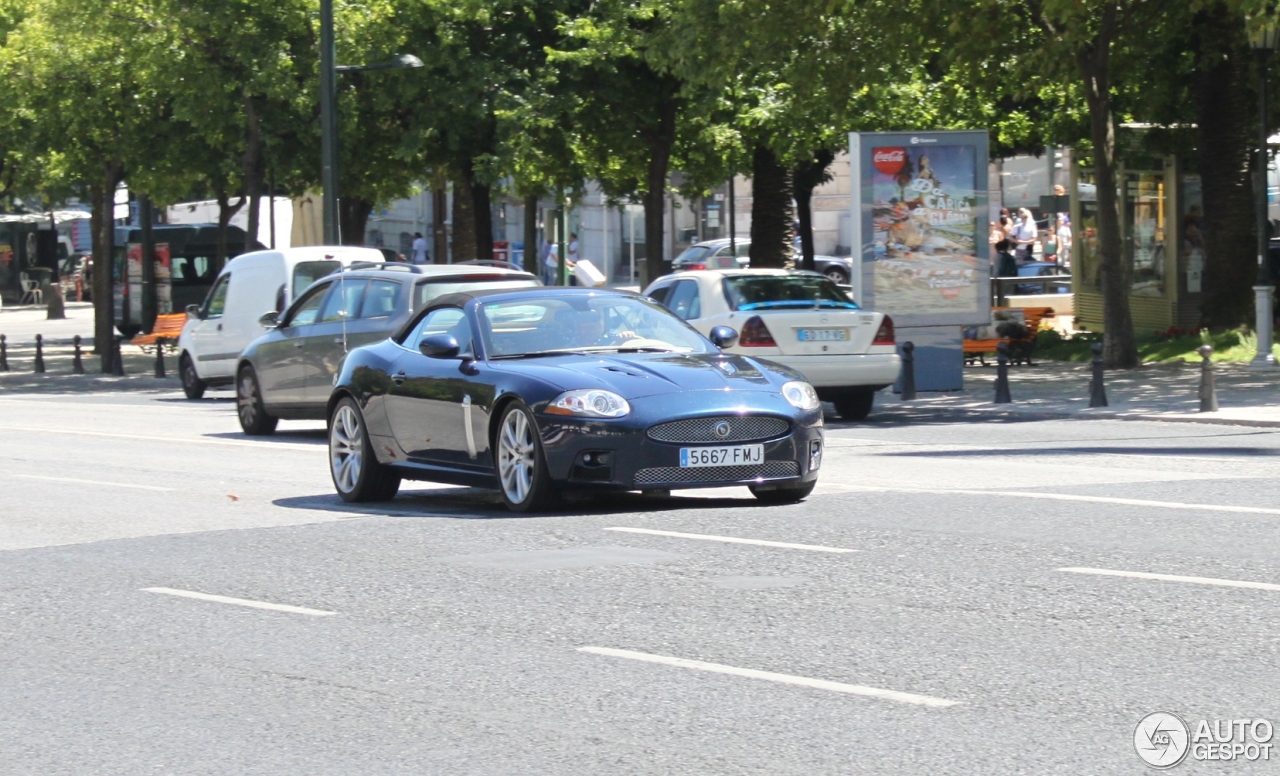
<point x="537" y="391"/>
<point x="717" y="254"/>
<point x="796" y="318"/>
<point x="249" y="285"/>
<point x="288" y="372"/>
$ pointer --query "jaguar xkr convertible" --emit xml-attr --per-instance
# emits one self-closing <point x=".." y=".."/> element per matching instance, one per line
<point x="539" y="391"/>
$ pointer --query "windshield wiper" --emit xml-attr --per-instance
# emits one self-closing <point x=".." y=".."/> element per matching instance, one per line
<point x="557" y="352"/>
<point x="645" y="349"/>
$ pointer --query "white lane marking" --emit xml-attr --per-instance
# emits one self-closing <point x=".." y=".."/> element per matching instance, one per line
<point x="1175" y="578"/>
<point x="222" y="599"/>
<point x="225" y="442"/>
<point x="733" y="540"/>
<point x="820" y="684"/>
<point x="1137" y="502"/>
<point x="79" y="481"/>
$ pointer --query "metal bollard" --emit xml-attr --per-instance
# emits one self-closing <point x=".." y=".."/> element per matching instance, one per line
<point x="908" y="372"/>
<point x="1002" y="374"/>
<point x="117" y="361"/>
<point x="160" y="357"/>
<point x="77" y="365"/>
<point x="1208" y="394"/>
<point x="1097" y="391"/>
<point x="4" y="354"/>
<point x="39" y="354"/>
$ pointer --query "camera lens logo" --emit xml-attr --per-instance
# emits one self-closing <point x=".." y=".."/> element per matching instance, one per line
<point x="1161" y="739"/>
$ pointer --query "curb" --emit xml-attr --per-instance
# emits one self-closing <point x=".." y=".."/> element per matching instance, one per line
<point x="1031" y="415"/>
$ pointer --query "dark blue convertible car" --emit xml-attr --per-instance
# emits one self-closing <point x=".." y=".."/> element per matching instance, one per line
<point x="542" y="390"/>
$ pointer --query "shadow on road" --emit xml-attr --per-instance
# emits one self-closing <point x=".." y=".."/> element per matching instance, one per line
<point x="304" y="436"/>
<point x="481" y="504"/>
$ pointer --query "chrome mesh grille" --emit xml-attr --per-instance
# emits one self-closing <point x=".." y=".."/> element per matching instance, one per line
<point x="675" y="475"/>
<point x="741" y="429"/>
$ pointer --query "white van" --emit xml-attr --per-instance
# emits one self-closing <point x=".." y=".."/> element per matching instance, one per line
<point x="249" y="286"/>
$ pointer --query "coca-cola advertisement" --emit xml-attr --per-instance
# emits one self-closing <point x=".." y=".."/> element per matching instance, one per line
<point x="922" y="201"/>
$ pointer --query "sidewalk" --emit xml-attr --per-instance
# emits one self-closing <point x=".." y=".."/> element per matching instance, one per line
<point x="1053" y="389"/>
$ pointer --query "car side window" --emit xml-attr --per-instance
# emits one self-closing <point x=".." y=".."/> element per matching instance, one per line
<point x="216" y="304"/>
<point x="308" y="307"/>
<point x="685" y="301"/>
<point x="446" y="320"/>
<point x="343" y="301"/>
<point x="659" y="294"/>
<point x="381" y="299"/>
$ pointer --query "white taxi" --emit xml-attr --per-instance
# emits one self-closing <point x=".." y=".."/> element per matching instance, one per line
<point x="798" y="319"/>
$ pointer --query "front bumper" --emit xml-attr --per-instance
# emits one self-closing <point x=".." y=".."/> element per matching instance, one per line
<point x="845" y="371"/>
<point x="620" y="455"/>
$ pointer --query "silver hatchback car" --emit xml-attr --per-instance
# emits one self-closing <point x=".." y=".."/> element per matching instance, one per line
<point x="288" y="372"/>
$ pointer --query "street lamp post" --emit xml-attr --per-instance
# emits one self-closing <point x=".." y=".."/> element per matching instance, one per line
<point x="329" y="69"/>
<point x="1263" y="37"/>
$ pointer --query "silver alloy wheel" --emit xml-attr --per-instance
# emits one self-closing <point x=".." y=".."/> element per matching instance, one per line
<point x="346" y="449"/>
<point x="516" y="456"/>
<point x="247" y="399"/>
<point x="837" y="277"/>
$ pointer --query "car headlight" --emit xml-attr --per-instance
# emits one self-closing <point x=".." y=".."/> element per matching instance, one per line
<point x="589" y="403"/>
<point x="800" y="395"/>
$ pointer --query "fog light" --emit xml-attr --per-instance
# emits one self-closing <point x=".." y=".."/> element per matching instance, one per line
<point x="815" y="455"/>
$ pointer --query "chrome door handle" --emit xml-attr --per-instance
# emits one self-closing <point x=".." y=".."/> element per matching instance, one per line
<point x="338" y="340"/>
<point x="398" y="377"/>
<point x="297" y="344"/>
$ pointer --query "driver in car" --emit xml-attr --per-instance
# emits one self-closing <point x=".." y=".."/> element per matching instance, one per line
<point x="589" y="330"/>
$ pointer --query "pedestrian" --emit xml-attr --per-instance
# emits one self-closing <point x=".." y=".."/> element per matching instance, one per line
<point x="1024" y="236"/>
<point x="1064" y="242"/>
<point x="419" y="248"/>
<point x="550" y="262"/>
<point x="572" y="250"/>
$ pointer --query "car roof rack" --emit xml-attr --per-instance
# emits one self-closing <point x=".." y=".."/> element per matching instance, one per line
<point x="492" y="263"/>
<point x="391" y="265"/>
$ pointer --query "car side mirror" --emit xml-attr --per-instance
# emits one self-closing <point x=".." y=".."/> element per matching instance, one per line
<point x="439" y="346"/>
<point x="724" y="337"/>
<point x="193" y="311"/>
<point x="269" y="320"/>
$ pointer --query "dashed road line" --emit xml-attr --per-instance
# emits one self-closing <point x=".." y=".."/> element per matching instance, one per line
<point x="222" y="599"/>
<point x="78" y="481"/>
<point x="1136" y="502"/>
<point x="1175" y="578"/>
<point x="769" y="676"/>
<point x="733" y="540"/>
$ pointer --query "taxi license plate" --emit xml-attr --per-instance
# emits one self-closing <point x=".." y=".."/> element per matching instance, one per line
<point x="737" y="455"/>
<point x="823" y="335"/>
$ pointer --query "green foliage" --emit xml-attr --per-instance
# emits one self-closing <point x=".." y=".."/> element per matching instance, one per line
<point x="1233" y="346"/>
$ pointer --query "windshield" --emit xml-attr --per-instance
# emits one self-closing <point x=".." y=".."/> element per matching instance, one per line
<point x="534" y="326"/>
<point x="776" y="292"/>
<point x="307" y="272"/>
<point x="427" y="290"/>
<point x="693" y="255"/>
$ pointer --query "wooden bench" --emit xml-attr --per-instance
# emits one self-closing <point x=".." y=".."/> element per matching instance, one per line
<point x="1020" y="348"/>
<point x="167" y="327"/>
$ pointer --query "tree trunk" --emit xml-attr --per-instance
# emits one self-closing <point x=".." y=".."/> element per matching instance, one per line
<point x="770" y="210"/>
<point x="102" y="224"/>
<point x="255" y="170"/>
<point x="464" y="222"/>
<point x="806" y="177"/>
<point x="226" y="211"/>
<point x="661" y="141"/>
<point x="353" y="217"/>
<point x="1226" y="121"/>
<point x="1119" y="348"/>
<point x="482" y="212"/>
<point x="439" y="233"/>
<point x="531" y="235"/>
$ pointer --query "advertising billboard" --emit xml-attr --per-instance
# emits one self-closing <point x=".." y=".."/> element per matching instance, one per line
<point x="919" y="217"/>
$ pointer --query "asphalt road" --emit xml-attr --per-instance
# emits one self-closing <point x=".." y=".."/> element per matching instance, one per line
<point x="912" y="616"/>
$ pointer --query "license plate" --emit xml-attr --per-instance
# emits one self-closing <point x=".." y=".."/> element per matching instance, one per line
<point x="823" y="335"/>
<point x="737" y="455"/>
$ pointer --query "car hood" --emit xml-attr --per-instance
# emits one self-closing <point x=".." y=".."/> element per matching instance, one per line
<point x="636" y="375"/>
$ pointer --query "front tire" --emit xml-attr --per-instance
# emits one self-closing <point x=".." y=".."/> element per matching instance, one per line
<point x="522" y="467"/>
<point x="837" y="276"/>
<point x="855" y="404"/>
<point x="192" y="385"/>
<point x="783" y="495"/>
<point x="249" y="407"/>
<point x="356" y="473"/>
